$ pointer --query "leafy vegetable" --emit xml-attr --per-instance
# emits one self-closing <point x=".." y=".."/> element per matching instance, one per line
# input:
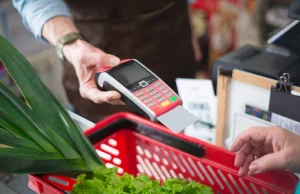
<point x="39" y="135"/>
<point x="106" y="181"/>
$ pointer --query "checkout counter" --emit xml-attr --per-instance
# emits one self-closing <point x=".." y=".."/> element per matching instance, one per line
<point x="280" y="55"/>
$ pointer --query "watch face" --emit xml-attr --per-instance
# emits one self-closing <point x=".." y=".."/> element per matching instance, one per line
<point x="132" y="75"/>
<point x="60" y="54"/>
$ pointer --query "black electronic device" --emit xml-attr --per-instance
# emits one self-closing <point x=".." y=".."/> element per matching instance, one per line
<point x="281" y="55"/>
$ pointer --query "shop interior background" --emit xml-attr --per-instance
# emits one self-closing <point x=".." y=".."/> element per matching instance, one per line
<point x="220" y="26"/>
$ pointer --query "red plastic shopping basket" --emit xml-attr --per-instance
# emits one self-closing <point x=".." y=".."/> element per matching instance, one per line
<point x="136" y="145"/>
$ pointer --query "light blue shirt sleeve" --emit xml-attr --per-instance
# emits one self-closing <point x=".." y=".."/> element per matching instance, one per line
<point x="36" y="13"/>
<point x="191" y="1"/>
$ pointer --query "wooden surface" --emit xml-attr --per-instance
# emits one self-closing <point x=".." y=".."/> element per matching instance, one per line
<point x="256" y="80"/>
<point x="222" y="88"/>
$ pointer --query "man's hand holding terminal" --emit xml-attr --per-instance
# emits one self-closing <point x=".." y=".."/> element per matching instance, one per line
<point x="85" y="58"/>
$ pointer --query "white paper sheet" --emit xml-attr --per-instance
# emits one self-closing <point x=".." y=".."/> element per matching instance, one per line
<point x="194" y="88"/>
<point x="199" y="99"/>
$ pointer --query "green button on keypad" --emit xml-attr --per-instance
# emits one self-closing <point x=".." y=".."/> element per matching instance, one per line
<point x="173" y="99"/>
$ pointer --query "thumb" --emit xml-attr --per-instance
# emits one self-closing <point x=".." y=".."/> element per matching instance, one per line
<point x="273" y="161"/>
<point x="101" y="59"/>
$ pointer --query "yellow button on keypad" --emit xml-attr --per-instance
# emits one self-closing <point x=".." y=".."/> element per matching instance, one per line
<point x="165" y="103"/>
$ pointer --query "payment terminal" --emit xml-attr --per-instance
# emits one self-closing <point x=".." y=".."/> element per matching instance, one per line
<point x="146" y="93"/>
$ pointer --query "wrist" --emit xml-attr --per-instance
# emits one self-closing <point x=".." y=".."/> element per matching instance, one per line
<point x="66" y="40"/>
<point x="57" y="27"/>
<point x="70" y="48"/>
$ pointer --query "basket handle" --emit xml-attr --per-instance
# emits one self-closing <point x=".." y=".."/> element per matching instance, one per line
<point x="170" y="139"/>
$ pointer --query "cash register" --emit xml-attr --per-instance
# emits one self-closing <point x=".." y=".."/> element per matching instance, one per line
<point x="280" y="55"/>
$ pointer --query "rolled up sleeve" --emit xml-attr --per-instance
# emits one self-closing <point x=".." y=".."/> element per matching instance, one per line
<point x="36" y="13"/>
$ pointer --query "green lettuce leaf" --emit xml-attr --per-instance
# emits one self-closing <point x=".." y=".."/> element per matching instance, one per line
<point x="106" y="181"/>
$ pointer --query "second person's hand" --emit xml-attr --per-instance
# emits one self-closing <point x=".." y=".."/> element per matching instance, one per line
<point x="262" y="149"/>
<point x="86" y="60"/>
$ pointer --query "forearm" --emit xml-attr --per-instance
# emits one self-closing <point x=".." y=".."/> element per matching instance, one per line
<point x="36" y="14"/>
<point x="56" y="27"/>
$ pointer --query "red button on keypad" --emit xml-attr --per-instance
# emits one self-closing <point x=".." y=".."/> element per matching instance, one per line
<point x="143" y="97"/>
<point x="165" y="91"/>
<point x="149" y="89"/>
<point x="139" y="93"/>
<point x="151" y="104"/>
<point x="157" y="84"/>
<point x="161" y="99"/>
<point x="147" y="100"/>
<point x="162" y="87"/>
<point x="153" y="92"/>
<point x="157" y="96"/>
<point x="155" y="108"/>
<point x="169" y="94"/>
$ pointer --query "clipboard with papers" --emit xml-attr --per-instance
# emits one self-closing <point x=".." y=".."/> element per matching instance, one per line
<point x="236" y="89"/>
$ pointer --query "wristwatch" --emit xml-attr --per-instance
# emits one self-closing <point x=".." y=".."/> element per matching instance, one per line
<point x="65" y="40"/>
